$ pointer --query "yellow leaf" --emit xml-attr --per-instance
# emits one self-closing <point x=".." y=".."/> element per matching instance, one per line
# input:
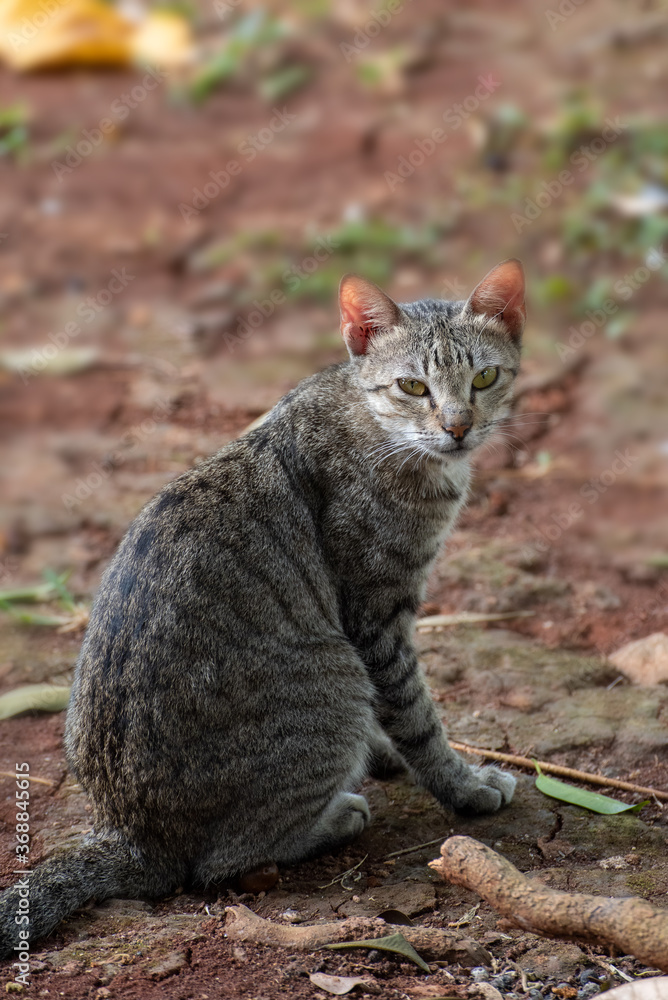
<point x="34" y="698"/>
<point x="35" y="34"/>
<point x="163" y="38"/>
<point x="39" y="34"/>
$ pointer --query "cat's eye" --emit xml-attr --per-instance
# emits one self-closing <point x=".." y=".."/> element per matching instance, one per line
<point x="485" y="378"/>
<point x="413" y="387"/>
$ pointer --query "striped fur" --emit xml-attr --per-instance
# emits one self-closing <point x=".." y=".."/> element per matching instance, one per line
<point x="249" y="652"/>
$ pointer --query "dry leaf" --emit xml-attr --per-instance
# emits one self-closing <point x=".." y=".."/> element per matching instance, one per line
<point x="79" y="31"/>
<point x="30" y="363"/>
<point x="37" y="35"/>
<point x="34" y="698"/>
<point x="338" y="985"/>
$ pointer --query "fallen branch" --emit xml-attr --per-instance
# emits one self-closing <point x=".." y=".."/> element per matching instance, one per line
<point x="632" y="925"/>
<point x="432" y="943"/>
<point x="564" y="772"/>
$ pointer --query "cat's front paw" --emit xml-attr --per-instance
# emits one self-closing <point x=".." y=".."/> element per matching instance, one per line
<point x="485" y="791"/>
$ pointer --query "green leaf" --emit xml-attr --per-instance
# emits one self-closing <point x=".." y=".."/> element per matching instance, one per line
<point x="581" y="797"/>
<point x="659" y="561"/>
<point x="34" y="698"/>
<point x="395" y="943"/>
<point x="40" y="592"/>
<point x="58" y="583"/>
<point x="31" y="617"/>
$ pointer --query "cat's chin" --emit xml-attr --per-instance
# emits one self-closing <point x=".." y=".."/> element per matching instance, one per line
<point x="454" y="454"/>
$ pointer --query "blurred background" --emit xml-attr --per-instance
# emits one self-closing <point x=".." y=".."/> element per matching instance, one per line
<point x="182" y="187"/>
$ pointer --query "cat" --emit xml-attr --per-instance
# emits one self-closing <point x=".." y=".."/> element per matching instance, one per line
<point x="249" y="656"/>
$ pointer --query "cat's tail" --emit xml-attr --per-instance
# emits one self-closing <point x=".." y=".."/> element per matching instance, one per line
<point x="101" y="866"/>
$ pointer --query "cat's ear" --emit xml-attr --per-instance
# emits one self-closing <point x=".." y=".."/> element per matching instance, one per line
<point x="501" y="294"/>
<point x="365" y="311"/>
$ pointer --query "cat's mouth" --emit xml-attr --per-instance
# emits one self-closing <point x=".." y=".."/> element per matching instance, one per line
<point x="456" y="449"/>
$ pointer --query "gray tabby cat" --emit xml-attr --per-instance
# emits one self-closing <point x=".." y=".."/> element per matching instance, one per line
<point x="249" y="657"/>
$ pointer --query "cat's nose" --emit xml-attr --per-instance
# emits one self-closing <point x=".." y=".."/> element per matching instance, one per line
<point x="458" y="430"/>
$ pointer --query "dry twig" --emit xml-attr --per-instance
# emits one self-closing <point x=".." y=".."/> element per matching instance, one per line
<point x="467" y="618"/>
<point x="564" y="772"/>
<point x="632" y="925"/>
<point x="432" y="943"/>
<point x="29" y="777"/>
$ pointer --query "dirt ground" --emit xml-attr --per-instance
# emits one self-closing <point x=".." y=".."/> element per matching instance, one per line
<point x="568" y="518"/>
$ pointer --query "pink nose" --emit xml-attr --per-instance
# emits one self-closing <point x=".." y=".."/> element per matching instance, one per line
<point x="458" y="431"/>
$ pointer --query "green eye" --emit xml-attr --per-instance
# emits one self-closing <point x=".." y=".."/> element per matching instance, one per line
<point x="413" y="387"/>
<point x="485" y="378"/>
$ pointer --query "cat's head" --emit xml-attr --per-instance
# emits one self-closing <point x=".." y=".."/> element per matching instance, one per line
<point x="437" y="374"/>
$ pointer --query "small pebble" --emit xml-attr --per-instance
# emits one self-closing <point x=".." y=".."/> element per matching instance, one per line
<point x="260" y="879"/>
<point x="479" y="974"/>
<point x="590" y="990"/>
<point x="589" y="976"/>
<point x="535" y="995"/>
<point x="504" y="981"/>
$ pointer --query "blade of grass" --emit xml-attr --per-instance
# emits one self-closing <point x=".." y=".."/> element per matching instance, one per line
<point x="30" y="617"/>
<point x="38" y="593"/>
<point x="57" y="581"/>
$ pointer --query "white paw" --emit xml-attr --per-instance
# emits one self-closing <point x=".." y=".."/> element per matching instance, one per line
<point x="485" y="791"/>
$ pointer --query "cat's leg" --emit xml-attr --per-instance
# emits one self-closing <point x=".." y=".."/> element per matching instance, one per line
<point x="385" y="760"/>
<point x="411" y="720"/>
<point x="341" y="821"/>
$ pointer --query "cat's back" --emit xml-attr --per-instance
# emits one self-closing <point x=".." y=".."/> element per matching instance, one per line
<point x="211" y="626"/>
<point x="221" y="564"/>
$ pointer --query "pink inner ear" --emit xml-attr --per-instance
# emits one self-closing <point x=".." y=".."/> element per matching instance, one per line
<point x="356" y="331"/>
<point x="365" y="310"/>
<point x="501" y="293"/>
